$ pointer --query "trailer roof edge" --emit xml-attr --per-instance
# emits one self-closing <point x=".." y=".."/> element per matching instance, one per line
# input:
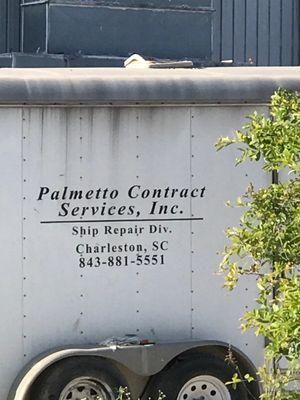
<point x="120" y="86"/>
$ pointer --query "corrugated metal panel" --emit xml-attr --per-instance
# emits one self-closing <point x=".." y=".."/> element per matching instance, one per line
<point x="227" y="29"/>
<point x="296" y="30"/>
<point x="275" y="32"/>
<point x="262" y="32"/>
<point x="217" y="38"/>
<point x="263" y="36"/>
<point x="251" y="30"/>
<point x="239" y="30"/>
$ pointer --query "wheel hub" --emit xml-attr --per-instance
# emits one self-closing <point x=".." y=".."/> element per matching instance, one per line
<point x="84" y="389"/>
<point x="204" y="387"/>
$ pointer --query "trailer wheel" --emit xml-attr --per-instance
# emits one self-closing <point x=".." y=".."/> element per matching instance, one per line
<point x="200" y="378"/>
<point x="79" y="378"/>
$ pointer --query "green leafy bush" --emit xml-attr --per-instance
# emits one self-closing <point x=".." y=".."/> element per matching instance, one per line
<point x="266" y="244"/>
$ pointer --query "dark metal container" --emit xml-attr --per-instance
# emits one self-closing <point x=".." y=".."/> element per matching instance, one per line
<point x="158" y="28"/>
<point x="9" y="25"/>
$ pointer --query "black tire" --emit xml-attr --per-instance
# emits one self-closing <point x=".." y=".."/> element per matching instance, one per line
<point x="55" y="381"/>
<point x="172" y="380"/>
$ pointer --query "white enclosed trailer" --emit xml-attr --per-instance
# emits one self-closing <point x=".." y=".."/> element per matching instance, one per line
<point x="112" y="212"/>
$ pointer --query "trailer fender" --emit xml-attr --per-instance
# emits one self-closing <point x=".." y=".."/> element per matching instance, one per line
<point x="142" y="360"/>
